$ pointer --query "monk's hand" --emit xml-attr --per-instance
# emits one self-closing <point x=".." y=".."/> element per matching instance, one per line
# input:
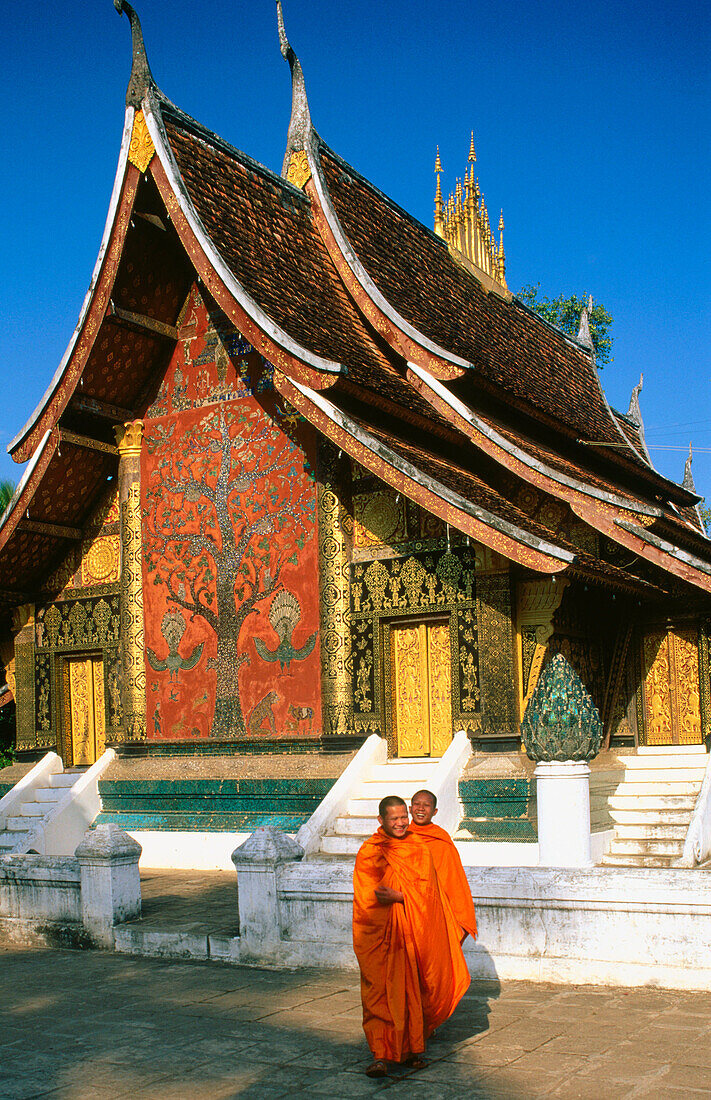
<point x="387" y="896"/>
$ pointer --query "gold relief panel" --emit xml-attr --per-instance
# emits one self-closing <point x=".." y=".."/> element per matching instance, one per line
<point x="379" y="519"/>
<point x="141" y="148"/>
<point x="421" y="687"/>
<point x="101" y="561"/>
<point x="335" y="633"/>
<point x="672" y="703"/>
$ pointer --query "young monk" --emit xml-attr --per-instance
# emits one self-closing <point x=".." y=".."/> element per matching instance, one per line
<point x="407" y="942"/>
<point x="448" y="865"/>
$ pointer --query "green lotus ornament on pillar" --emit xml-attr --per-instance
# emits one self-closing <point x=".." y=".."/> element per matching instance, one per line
<point x="561" y="721"/>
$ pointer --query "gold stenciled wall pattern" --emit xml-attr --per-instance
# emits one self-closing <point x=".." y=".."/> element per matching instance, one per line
<point x="383" y="591"/>
<point x="78" y="615"/>
<point x="408" y="563"/>
<point x="65" y="628"/>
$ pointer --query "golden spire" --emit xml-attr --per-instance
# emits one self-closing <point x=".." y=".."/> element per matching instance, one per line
<point x="439" y="220"/>
<point x="501" y="258"/>
<point x="462" y="220"/>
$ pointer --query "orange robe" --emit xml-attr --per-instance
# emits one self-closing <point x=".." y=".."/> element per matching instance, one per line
<point x="413" y="973"/>
<point x="450" y="872"/>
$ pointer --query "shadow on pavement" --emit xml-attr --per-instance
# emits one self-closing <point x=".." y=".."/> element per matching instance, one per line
<point x="94" y="1026"/>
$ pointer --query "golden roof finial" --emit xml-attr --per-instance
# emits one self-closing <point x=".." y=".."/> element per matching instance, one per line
<point x="438" y="219"/>
<point x="501" y="257"/>
<point x="472" y="153"/>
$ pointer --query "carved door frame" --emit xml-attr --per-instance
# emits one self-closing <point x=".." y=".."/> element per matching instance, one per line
<point x="387" y="626"/>
<point x="671" y="688"/>
<point x="66" y="747"/>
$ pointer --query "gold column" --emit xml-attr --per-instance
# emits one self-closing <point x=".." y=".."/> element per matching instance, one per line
<point x="23" y="626"/>
<point x="133" y="693"/>
<point x="334" y="598"/>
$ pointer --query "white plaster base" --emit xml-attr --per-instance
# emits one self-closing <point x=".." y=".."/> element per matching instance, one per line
<point x="609" y="926"/>
<point x="187" y="851"/>
<point x="563" y="805"/>
<point x="497" y="853"/>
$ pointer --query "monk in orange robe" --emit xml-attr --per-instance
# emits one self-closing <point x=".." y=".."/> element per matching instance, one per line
<point x="407" y="941"/>
<point x="446" y="859"/>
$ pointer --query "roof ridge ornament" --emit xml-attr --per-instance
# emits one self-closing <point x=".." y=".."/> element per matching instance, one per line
<point x="141" y="79"/>
<point x="584" y="334"/>
<point x="301" y="130"/>
<point x="634" y="412"/>
<point x="688" y="482"/>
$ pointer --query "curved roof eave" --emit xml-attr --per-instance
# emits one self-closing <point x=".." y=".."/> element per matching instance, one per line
<point x="470" y="417"/>
<point x="23" y="482"/>
<point x="362" y="276"/>
<point x="154" y="122"/>
<point x="108" y="227"/>
<point x="540" y="555"/>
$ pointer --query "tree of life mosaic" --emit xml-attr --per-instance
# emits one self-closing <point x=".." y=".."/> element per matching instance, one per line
<point x="229" y="550"/>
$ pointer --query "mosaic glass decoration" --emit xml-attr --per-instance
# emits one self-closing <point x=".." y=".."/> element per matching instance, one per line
<point x="561" y="721"/>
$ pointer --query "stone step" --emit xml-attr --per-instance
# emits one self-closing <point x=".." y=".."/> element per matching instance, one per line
<point x="668" y="750"/>
<point x="341" y="845"/>
<point x="355" y="826"/>
<point x="652" y="802"/>
<point x="380" y="788"/>
<point x="32" y="809"/>
<point x="639" y="861"/>
<point x="646" y="847"/>
<point x="637" y="776"/>
<point x="10" y="840"/>
<point x="416" y="770"/>
<point x="21" y="824"/>
<point x="362" y="807"/>
<point x="63" y="779"/>
<point x="664" y="763"/>
<point x="661" y="788"/>
<point x="651" y="817"/>
<point x="646" y="830"/>
<point x="49" y="794"/>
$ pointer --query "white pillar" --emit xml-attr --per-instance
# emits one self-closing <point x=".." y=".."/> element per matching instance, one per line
<point x="257" y="863"/>
<point x="563" y="801"/>
<point x="110" y="881"/>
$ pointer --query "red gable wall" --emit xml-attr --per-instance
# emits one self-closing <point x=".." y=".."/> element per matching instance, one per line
<point x="229" y="546"/>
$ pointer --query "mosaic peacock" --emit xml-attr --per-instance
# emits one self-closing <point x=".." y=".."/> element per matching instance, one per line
<point x="284" y="615"/>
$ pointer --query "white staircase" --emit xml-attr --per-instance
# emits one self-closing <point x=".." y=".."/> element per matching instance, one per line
<point x="21" y="829"/>
<point x="652" y="806"/>
<point x="401" y="776"/>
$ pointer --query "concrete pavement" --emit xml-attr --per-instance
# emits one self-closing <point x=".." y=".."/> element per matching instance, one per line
<point x="97" y="1026"/>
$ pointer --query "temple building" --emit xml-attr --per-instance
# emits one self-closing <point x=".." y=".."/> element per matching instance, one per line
<point x="309" y="471"/>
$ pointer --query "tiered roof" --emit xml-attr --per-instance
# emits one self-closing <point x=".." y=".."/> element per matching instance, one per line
<point x="419" y="365"/>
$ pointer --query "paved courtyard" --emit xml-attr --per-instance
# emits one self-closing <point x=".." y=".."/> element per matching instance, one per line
<point x="98" y="1026"/>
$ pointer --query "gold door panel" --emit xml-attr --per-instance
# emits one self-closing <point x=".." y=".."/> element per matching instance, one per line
<point x="84" y="717"/>
<point x="672" y="707"/>
<point x="422" y="688"/>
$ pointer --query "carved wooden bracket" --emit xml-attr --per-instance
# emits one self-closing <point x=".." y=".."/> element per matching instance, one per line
<point x="537" y="603"/>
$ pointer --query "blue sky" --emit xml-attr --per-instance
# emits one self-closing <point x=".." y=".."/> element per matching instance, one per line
<point x="591" y="124"/>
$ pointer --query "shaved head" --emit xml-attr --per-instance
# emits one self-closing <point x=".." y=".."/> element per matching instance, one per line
<point x="393" y="816"/>
<point x="425" y="794"/>
<point x="388" y="801"/>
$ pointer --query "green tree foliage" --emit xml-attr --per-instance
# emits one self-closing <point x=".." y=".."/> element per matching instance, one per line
<point x="564" y="313"/>
<point x="7" y="488"/>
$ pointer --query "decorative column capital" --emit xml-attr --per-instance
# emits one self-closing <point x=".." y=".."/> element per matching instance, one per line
<point x="129" y="437"/>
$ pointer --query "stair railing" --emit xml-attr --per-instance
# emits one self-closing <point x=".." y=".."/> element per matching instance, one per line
<point x="24" y="789"/>
<point x="445" y="782"/>
<point x="373" y="751"/>
<point x="697" y="846"/>
<point x="75" y="811"/>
